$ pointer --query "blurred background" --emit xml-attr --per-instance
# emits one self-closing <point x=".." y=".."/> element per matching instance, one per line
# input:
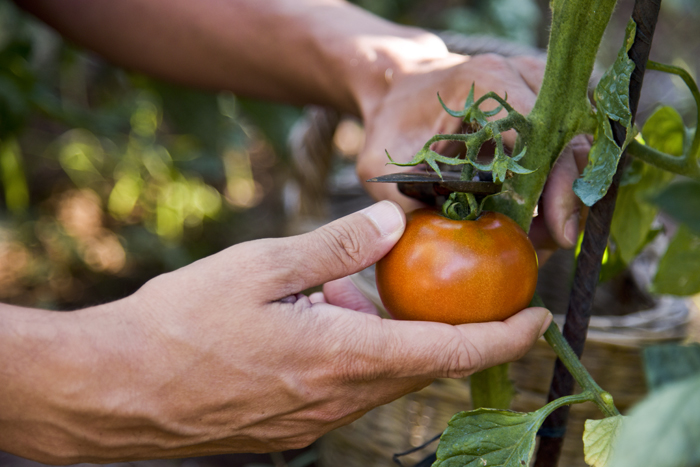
<point x="108" y="178"/>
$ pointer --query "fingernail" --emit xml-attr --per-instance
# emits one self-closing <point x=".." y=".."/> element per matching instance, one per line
<point x="546" y="323"/>
<point x="571" y="229"/>
<point x="386" y="216"/>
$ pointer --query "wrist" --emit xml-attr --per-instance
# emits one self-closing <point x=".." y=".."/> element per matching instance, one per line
<point x="360" y="55"/>
<point x="382" y="61"/>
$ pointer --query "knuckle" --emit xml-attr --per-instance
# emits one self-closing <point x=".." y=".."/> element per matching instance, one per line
<point x="464" y="359"/>
<point x="493" y="62"/>
<point x="356" y="357"/>
<point x="343" y="243"/>
<point x="531" y="62"/>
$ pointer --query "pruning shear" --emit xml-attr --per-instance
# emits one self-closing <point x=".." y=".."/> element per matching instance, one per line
<point x="429" y="188"/>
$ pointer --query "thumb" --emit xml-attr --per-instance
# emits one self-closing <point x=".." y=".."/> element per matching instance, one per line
<point x="336" y="250"/>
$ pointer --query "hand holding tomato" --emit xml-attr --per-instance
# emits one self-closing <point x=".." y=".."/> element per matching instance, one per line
<point x="227" y="355"/>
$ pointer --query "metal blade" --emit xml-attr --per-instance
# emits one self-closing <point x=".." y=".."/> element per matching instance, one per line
<point x="426" y="187"/>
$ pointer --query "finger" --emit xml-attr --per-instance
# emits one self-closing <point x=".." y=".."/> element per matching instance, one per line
<point x="561" y="207"/>
<point x="439" y="350"/>
<point x="343" y="293"/>
<point x="317" y="297"/>
<point x="343" y="247"/>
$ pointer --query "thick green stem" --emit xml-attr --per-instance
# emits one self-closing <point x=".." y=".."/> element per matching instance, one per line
<point x="562" y="109"/>
<point x="566" y="354"/>
<point x="491" y="388"/>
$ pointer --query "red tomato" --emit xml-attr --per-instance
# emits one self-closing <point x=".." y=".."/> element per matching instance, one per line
<point x="458" y="271"/>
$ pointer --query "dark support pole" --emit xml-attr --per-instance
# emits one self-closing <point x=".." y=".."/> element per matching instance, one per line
<point x="594" y="242"/>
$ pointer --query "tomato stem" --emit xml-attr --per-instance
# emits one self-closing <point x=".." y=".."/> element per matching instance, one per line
<point x="461" y="207"/>
<point x="567" y="356"/>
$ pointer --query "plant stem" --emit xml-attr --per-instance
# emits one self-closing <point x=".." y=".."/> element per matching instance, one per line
<point x="682" y="165"/>
<point x="491" y="388"/>
<point x="595" y="239"/>
<point x="566" y="354"/>
<point x="585" y="396"/>
<point x="694" y="152"/>
<point x="562" y="109"/>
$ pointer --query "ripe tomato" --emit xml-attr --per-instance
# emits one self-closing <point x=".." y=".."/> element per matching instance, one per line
<point x="458" y="271"/>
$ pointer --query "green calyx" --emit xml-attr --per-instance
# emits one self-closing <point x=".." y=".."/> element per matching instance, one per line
<point x="502" y="166"/>
<point x="461" y="207"/>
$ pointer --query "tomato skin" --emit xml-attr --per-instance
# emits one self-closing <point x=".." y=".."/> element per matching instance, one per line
<point x="458" y="272"/>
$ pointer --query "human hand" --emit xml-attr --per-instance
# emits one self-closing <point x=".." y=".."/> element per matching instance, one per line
<point x="408" y="114"/>
<point x="226" y="355"/>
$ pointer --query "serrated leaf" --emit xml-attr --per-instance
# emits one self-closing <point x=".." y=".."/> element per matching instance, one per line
<point x="634" y="211"/>
<point x="485" y="437"/>
<point x="682" y="201"/>
<point x="679" y="269"/>
<point x="599" y="437"/>
<point x="612" y="100"/>
<point x="665" y="131"/>
<point x="667" y="363"/>
<point x="663" y="430"/>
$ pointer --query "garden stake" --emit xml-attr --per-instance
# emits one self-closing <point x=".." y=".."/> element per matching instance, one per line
<point x="595" y="240"/>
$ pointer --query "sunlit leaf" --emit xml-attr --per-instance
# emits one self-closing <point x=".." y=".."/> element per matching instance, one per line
<point x="682" y="201"/>
<point x="679" y="268"/>
<point x="612" y="101"/>
<point x="665" y="131"/>
<point x="599" y="438"/>
<point x="663" y="430"/>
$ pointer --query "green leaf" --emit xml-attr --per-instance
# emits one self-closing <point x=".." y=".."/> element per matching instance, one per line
<point x="612" y="100"/>
<point x="681" y="201"/>
<point x="679" y="268"/>
<point x="665" y="131"/>
<point x="635" y="213"/>
<point x="495" y="437"/>
<point x="599" y="437"/>
<point x="485" y="437"/>
<point x="663" y="430"/>
<point x="668" y="363"/>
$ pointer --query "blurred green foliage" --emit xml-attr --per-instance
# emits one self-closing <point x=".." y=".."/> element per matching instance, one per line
<point x="517" y="20"/>
<point x="108" y="177"/>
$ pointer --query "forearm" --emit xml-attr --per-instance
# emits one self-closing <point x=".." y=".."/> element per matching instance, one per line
<point x="313" y="51"/>
<point x="65" y="381"/>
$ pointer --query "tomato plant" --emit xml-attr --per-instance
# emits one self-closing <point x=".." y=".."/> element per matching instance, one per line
<point x="458" y="271"/>
<point x="563" y="109"/>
